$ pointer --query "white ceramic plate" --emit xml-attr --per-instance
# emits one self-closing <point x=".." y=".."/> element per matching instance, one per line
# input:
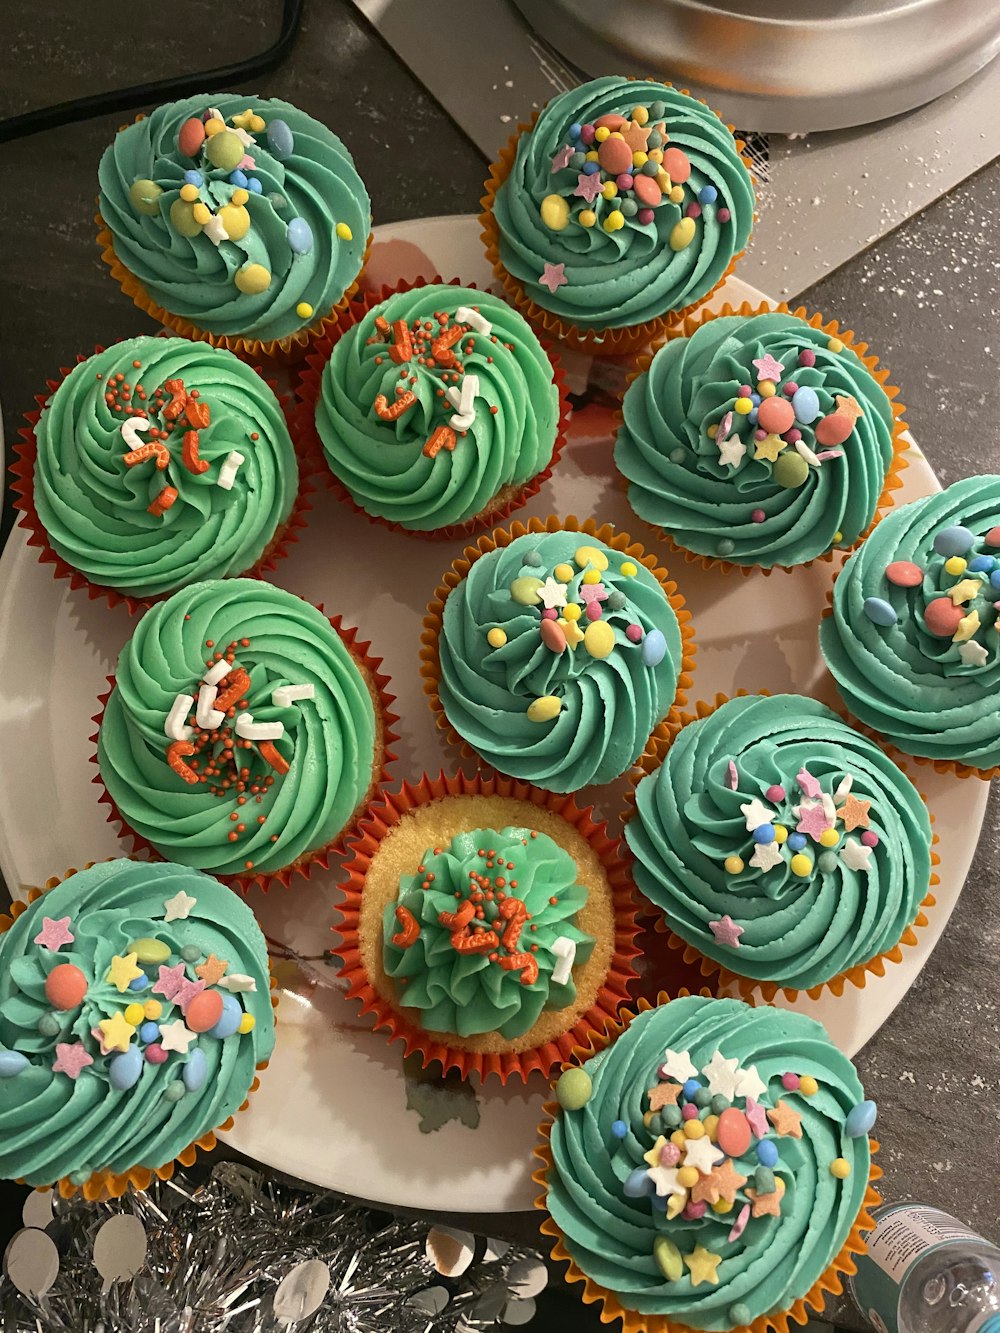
<point x="335" y="1106"/>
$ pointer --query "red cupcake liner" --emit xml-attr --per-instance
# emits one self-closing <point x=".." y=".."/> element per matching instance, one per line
<point x="378" y="683"/>
<point x="613" y="991"/>
<point x="308" y="391"/>
<point x="22" y="471"/>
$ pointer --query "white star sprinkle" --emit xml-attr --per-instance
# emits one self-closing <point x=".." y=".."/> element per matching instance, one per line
<point x="178" y="907"/>
<point x="855" y="855"/>
<point x="703" y="1154"/>
<point x="176" y="1037"/>
<point x="756" y="813"/>
<point x="749" y="1083"/>
<point x="552" y="593"/>
<point x="677" y="1065"/>
<point x="238" y="981"/>
<point x="973" y="654"/>
<point x="731" y="451"/>
<point x="766" y="856"/>
<point x="722" y="1075"/>
<point x="215" y="230"/>
<point x="665" y="1180"/>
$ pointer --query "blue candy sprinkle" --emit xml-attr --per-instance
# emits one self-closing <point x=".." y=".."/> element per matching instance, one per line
<point x="619" y="1129"/>
<point x="955" y="540"/>
<point x="796" y="841"/>
<point x="254" y="185"/>
<point x="194" y="178"/>
<point x="879" y="611"/>
<point x="238" y="178"/>
<point x="654" y="648"/>
<point x="229" y="1020"/>
<point x="124" y="1070"/>
<point x="708" y="194"/>
<point x="805" y="404"/>
<point x="860" y="1119"/>
<point x="279" y="138"/>
<point x="752" y="416"/>
<point x="755" y="399"/>
<point x="767" y="1153"/>
<point x="138" y="983"/>
<point x="659" y="1202"/>
<point x="691" y="1087"/>
<point x="575" y="130"/>
<point x="195" y="1071"/>
<point x="590" y="167"/>
<point x="637" y="1184"/>
<point x="982" y="564"/>
<point x="995" y="579"/>
<point x="149" y="1031"/>
<point x="764" y="833"/>
<point x="299" y="236"/>
<point x="11" y="1063"/>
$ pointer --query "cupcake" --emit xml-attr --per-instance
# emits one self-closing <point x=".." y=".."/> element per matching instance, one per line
<point x="155" y="463"/>
<point x="135" y="1007"/>
<point x="913" y="638"/>
<point x="273" y="790"/>
<point x="233" y="218"/>
<point x="553" y="652"/>
<point x="760" y="438"/>
<point x="782" y="846"/>
<point x="624" y="204"/>
<point x="437" y="407"/>
<point x="710" y="1169"/>
<point x="486" y="925"/>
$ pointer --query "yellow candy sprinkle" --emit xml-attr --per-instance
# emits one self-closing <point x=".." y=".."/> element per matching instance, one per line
<point x="189" y="193"/>
<point x="838" y="536"/>
<point x="609" y="190"/>
<point x="182" y="217"/>
<point x="693" y="1129"/>
<point x="677" y="1138"/>
<point x="712" y="431"/>
<point x="554" y="211"/>
<point x="247" y="1024"/>
<point x="829" y="837"/>
<point x="545" y="708"/>
<point x="563" y="572"/>
<point x="304" y="310"/>
<point x="766" y="388"/>
<point x="780" y="833"/>
<point x="675" y="1203"/>
<point x="663" y="181"/>
<point x="615" y="220"/>
<point x="571" y="612"/>
<point x="496" y="637"/>
<point x="628" y="569"/>
<point x="744" y="406"/>
<point x="201" y="213"/>
<point x="640" y="159"/>
<point x="239" y="197"/>
<point x="344" y="231"/>
<point x="592" y="155"/>
<point x="779" y="1186"/>
<point x="214" y="126"/>
<point x="236" y="221"/>
<point x="808" y="1085"/>
<point x="152" y="1009"/>
<point x="801" y="865"/>
<point x="602" y="133"/>
<point x="134" y="1014"/>
<point x="683" y="232"/>
<point x="586" y="217"/>
<point x="835" y="345"/>
<point x="599" y="639"/>
<point x="722" y="1206"/>
<point x="656" y="155"/>
<point x="590" y="555"/>
<point x="591" y="576"/>
<point x="647" y="1118"/>
<point x="677" y="197"/>
<point x="572" y="630"/>
<point x="955" y="565"/>
<point x="711" y="1123"/>
<point x="640" y="115"/>
<point x="734" y="864"/>
<point x="840" y="1168"/>
<point x="253" y="278"/>
<point x="688" y="1176"/>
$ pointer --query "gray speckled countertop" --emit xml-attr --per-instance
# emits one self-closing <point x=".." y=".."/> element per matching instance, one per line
<point x="926" y="297"/>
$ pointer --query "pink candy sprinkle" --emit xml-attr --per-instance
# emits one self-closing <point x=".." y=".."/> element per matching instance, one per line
<point x="790" y="1082"/>
<point x="734" y="777"/>
<point x="807" y="357"/>
<point x="155" y="1053"/>
<point x="693" y="1211"/>
<point x="624" y="181"/>
<point x="634" y="633"/>
<point x="739" y="1226"/>
<point x="723" y="215"/>
<point x="550" y="613"/>
<point x="760" y="434"/>
<point x="587" y="133"/>
<point x="869" y="838"/>
<point x="792" y="436"/>
<point x="775" y="793"/>
<point x="745" y="391"/>
<point x="790" y="389"/>
<point x="758" y="516"/>
<point x="593" y="610"/>
<point x="693" y="210"/>
<point x="645" y="216"/>
<point x="689" y="1111"/>
<point x="670" y="1154"/>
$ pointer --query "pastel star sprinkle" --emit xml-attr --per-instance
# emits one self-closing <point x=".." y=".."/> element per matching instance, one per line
<point x="848" y="406"/>
<point x="652" y="1158"/>
<point x="769" y="447"/>
<point x="71" y="1059"/>
<point x="561" y="159"/>
<point x="964" y="591"/>
<point x="178" y="907"/>
<point x="122" y="970"/>
<point x="54" y="934"/>
<point x="169" y="981"/>
<point x="593" y="592"/>
<point x="756" y="813"/>
<point x="768" y="368"/>
<point x="967" y="626"/>
<point x="973" y="654"/>
<point x="721" y="1074"/>
<point x="664" y="1094"/>
<point x="677" y="1065"/>
<point x="588" y="187"/>
<point x="703" y="1154"/>
<point x="115" y="1034"/>
<point x="211" y="970"/>
<point x="215" y="230"/>
<point x="176" y="1037"/>
<point x="855" y="855"/>
<point x="722" y="1183"/>
<point x="726" y="931"/>
<point x="765" y="1203"/>
<point x="238" y="981"/>
<point x="749" y="1084"/>
<point x="854" y="813"/>
<point x="813" y="819"/>
<point x="785" y="1120"/>
<point x="731" y="451"/>
<point x="756" y="1118"/>
<point x="808" y="785"/>
<point x="553" y="276"/>
<point x="767" y="855"/>
<point x="552" y="593"/>
<point x="664" y="1179"/>
<point x="702" y="1265"/>
<point x="636" y="135"/>
<point x="573" y="632"/>
<point x="186" y="992"/>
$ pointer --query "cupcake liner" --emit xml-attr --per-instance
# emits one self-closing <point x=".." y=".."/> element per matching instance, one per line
<point x="830" y="1282"/>
<point x="897" y="465"/>
<point x="386" y="736"/>
<point x="954" y="767"/>
<point x="308" y="391"/>
<point x="104" y="1184"/>
<point x="722" y="977"/>
<point x="22" y="484"/>
<point x="613" y="991"/>
<point x="596" y="342"/>
<point x="430" y="659"/>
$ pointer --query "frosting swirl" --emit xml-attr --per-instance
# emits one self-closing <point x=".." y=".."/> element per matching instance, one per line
<point x="613" y="231"/>
<point x="134" y="1007"/>
<point x="542" y="686"/>
<point x="187" y="783"/>
<point x="239" y="213"/>
<point x="616" y="1199"/>
<point x="468" y="973"/>
<point x="434" y="464"/>
<point x="913" y="640"/>
<point x="754" y="479"/>
<point x="146" y="508"/>
<point x="812" y="860"/>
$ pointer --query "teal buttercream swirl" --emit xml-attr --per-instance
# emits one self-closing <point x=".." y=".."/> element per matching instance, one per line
<point x="327" y="742"/>
<point x="618" y="278"/>
<point x="95" y="506"/>
<point x="305" y="174"/>
<point x="393" y="469"/>
<point x="929" y="685"/>
<point x="54" y="1124"/>
<point x="607" y="705"/>
<point x="776" y="509"/>
<point x="500" y="986"/>
<point x="794" y="929"/>
<point x="778" y="1258"/>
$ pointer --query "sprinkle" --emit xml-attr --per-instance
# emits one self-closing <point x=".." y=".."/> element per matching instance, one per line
<point x="176" y="1036"/>
<point x="768" y="368"/>
<point x="834" y="345"/>
<point x="71" y="1059"/>
<point x="545" y="708"/>
<point x="756" y="813"/>
<point x="733" y="866"/>
<point x="725" y="930"/>
<point x="973" y="654"/>
<point x="588" y="186"/>
<point x="848" y="406"/>
<point x="785" y="1120"/>
<point x="344" y="232"/>
<point x="561" y="159"/>
<point x="178" y="907"/>
<point x="304" y="310"/>
<point x="734" y="777"/>
<point x="766" y="856"/>
<point x="840" y="1168"/>
<point x="54" y="933"/>
<point x="553" y="276"/>
<point x="855" y="855"/>
<point x="854" y="813"/>
<point x="122" y="970"/>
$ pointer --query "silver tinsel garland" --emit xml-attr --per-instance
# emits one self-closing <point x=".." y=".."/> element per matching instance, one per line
<point x="245" y="1251"/>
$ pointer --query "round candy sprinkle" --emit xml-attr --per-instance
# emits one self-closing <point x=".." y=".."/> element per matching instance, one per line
<point x="232" y="1016"/>
<point x="155" y="1054"/>
<point x="992" y="538"/>
<point x="138" y="983"/>
<point x="808" y="1085"/>
<point x="954" y="566"/>
<point x="955" y="540"/>
<point x="726" y="546"/>
<point x="995" y="579"/>
<point x="682" y="234"/>
<point x="765" y="389"/>
<point x="144" y="196"/>
<point x="775" y="793"/>
<point x="65" y="986"/>
<point x="860" y="1119"/>
<point x="637" y="1184"/>
<point x="835" y="345"/>
<point x="733" y="865"/>
<point x="554" y="210"/>
<point x="743" y="405"/>
<point x="204" y="1011"/>
<point x="534" y="558"/>
<point x="225" y="150"/>
<point x="190" y="137"/>
<point x="134" y="1014"/>
<point x="739" y="1314"/>
<point x="152" y="1009"/>
<point x="689" y="1111"/>
<point x="553" y="636"/>
<point x="11" y="1063"/>
<point x="796" y="841"/>
<point x="619" y="1129"/>
<point x="525" y="590"/>
<point x="763" y="1179"/>
<point x="48" y="1025"/>
<point x="790" y="1082"/>
<point x="707" y="194"/>
<point x="827" y="862"/>
<point x="545" y="708"/>
<point x="124" y="1070"/>
<point x="702" y="1098"/>
<point x="279" y="138"/>
<point x="758" y="516"/>
<point x="247" y="1024"/>
<point x="633" y="633"/>
<point x="791" y="469"/>
<point x="693" y="211"/>
<point x="780" y="833"/>
<point x="195" y="1071"/>
<point x="299" y="236"/>
<point x="904" y="574"/>
<point x="981" y="564"/>
<point x="879" y="611"/>
<point x="149" y="1032"/>
<point x="304" y="310"/>
<point x="733" y="1132"/>
<point x="807" y="357"/>
<point x="723" y="215"/>
<point x="941" y="616"/>
<point x="190" y="953"/>
<point x="791" y="436"/>
<point x="869" y="838"/>
<point x="599" y="637"/>
<point x="801" y="865"/>
<point x="691" y="1086"/>
<point x="238" y="178"/>
<point x="590" y="555"/>
<point x="767" y="1153"/>
<point x="668" y="1258"/>
<point x="833" y="429"/>
<point x="805" y="404"/>
<point x="173" y="1092"/>
<point x="840" y="1168"/>
<point x="829" y="837"/>
<point x="654" y="648"/>
<point x="252" y="279"/>
<point x="764" y="834"/>
<point x="688" y="1176"/>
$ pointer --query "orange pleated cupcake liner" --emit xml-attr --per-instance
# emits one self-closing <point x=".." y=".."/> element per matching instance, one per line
<point x="310" y="385"/>
<point x="830" y="1281"/>
<point x="897" y="465"/>
<point x="22" y="484"/>
<point x="597" y="342"/>
<point x="955" y="767"/>
<point x="723" y="977"/>
<point x="106" y="1184"/>
<point x="613" y="992"/>
<point x="430" y="657"/>
<point x="386" y="736"/>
